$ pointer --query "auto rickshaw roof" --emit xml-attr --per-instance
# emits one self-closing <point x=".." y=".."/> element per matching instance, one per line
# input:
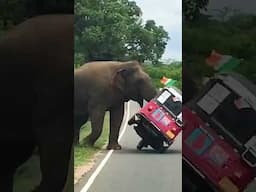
<point x="175" y="91"/>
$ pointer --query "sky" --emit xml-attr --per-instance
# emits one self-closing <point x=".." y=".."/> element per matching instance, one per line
<point x="167" y="13"/>
<point x="246" y="6"/>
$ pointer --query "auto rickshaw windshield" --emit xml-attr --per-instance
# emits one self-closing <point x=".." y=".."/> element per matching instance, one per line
<point x="226" y="108"/>
<point x="170" y="102"/>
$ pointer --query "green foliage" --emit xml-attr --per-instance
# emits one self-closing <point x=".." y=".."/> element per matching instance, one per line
<point x="173" y="71"/>
<point x="113" y="30"/>
<point x="191" y="8"/>
<point x="13" y="12"/>
<point x="28" y="175"/>
<point x="79" y="58"/>
<point x="235" y="36"/>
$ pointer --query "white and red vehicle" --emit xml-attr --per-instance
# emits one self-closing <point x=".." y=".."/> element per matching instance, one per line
<point x="160" y="120"/>
<point x="219" y="133"/>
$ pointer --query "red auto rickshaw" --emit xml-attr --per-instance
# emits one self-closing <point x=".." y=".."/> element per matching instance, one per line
<point x="160" y="120"/>
<point x="219" y="142"/>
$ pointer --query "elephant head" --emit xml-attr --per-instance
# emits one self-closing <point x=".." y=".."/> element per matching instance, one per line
<point x="133" y="83"/>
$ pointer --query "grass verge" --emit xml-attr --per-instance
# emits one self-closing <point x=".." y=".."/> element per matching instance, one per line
<point x="84" y="153"/>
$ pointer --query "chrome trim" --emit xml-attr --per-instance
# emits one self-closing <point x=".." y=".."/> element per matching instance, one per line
<point x="250" y="148"/>
<point x="247" y="161"/>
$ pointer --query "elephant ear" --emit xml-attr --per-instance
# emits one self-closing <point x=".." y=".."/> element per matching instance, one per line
<point x="121" y="77"/>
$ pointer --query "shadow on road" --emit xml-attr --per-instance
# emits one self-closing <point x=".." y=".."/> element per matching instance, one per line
<point x="147" y="151"/>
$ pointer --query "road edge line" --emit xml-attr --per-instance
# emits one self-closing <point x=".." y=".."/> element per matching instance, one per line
<point x="104" y="161"/>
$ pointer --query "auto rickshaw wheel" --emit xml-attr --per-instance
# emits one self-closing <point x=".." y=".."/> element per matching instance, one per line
<point x="140" y="145"/>
<point x="161" y="149"/>
<point x="132" y="120"/>
<point x="158" y="146"/>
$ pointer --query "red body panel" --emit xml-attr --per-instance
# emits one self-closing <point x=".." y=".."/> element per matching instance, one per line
<point x="161" y="119"/>
<point x="211" y="155"/>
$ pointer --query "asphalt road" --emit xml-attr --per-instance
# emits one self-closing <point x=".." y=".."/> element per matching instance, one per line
<point x="137" y="171"/>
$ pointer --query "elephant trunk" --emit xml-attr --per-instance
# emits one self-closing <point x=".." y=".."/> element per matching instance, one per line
<point x="141" y="101"/>
<point x="150" y="94"/>
<point x="147" y="95"/>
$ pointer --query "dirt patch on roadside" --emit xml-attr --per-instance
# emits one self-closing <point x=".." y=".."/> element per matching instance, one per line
<point x="80" y="171"/>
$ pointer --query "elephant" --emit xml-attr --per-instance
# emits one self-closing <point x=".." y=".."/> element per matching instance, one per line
<point x="102" y="86"/>
<point x="36" y="99"/>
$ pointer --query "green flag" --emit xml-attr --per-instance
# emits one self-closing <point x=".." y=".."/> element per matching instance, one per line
<point x="230" y="64"/>
<point x="168" y="82"/>
<point x="222" y="63"/>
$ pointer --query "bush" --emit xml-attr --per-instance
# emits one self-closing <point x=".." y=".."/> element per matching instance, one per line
<point x="173" y="71"/>
<point x="234" y="37"/>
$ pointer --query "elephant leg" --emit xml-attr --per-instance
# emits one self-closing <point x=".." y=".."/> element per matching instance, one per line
<point x="78" y="122"/>
<point x="8" y="167"/>
<point x="97" y="118"/>
<point x="55" y="148"/>
<point x="54" y="162"/>
<point x="6" y="181"/>
<point x="14" y="154"/>
<point x="116" y="117"/>
<point x="77" y="136"/>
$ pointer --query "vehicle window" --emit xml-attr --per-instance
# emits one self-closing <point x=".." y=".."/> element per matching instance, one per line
<point x="231" y="111"/>
<point x="237" y="117"/>
<point x="164" y="96"/>
<point x="213" y="98"/>
<point x="174" y="105"/>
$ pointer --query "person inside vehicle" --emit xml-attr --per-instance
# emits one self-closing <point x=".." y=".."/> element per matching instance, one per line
<point x="174" y="105"/>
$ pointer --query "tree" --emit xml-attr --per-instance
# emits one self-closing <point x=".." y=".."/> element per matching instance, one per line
<point x="13" y="12"/>
<point x="148" y="42"/>
<point x="235" y="36"/>
<point x="113" y="30"/>
<point x="191" y="8"/>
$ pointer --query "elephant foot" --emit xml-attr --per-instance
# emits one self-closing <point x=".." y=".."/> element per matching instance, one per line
<point x="88" y="142"/>
<point x="76" y="140"/>
<point x="114" y="146"/>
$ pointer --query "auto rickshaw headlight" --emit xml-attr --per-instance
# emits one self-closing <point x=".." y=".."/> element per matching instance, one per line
<point x="226" y="185"/>
<point x="150" y="108"/>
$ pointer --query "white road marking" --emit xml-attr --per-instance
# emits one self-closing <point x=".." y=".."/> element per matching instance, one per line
<point x="104" y="161"/>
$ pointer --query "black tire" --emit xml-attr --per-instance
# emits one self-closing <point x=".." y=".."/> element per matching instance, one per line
<point x="132" y="120"/>
<point x="158" y="146"/>
<point x="161" y="149"/>
<point x="140" y="145"/>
